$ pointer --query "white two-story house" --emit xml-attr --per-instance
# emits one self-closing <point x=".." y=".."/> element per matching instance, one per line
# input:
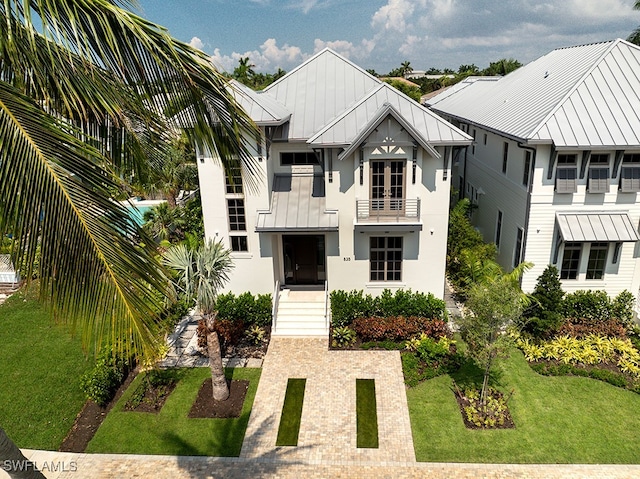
<point x="354" y="184"/>
<point x="554" y="169"/>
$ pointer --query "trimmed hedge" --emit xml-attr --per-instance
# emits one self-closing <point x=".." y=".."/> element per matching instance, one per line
<point x="349" y="306"/>
<point x="246" y="307"/>
<point x="398" y="328"/>
<point x="101" y="383"/>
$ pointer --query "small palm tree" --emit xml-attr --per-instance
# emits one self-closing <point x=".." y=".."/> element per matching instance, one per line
<point x="201" y="273"/>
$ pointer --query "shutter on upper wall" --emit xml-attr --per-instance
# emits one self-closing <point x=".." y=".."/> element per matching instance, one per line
<point x="598" y="180"/>
<point x="566" y="180"/>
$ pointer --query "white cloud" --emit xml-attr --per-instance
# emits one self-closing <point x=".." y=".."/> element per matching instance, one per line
<point x="600" y="10"/>
<point x="412" y="45"/>
<point x="195" y="42"/>
<point x="394" y="15"/>
<point x="346" y="48"/>
<point x="269" y="58"/>
<point x="442" y="8"/>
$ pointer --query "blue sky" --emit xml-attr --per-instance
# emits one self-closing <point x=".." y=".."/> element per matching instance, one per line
<point x="381" y="34"/>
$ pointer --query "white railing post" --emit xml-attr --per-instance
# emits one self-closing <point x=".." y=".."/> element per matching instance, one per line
<point x="274" y="307"/>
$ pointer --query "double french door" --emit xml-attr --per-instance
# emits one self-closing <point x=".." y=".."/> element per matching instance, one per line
<point x="388" y="186"/>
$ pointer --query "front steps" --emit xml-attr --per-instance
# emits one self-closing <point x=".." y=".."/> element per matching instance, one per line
<point x="301" y="314"/>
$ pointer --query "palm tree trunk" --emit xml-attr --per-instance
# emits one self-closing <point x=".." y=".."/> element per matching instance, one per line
<point x="218" y="380"/>
<point x="13" y="461"/>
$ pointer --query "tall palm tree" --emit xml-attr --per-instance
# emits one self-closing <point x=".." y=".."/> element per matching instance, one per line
<point x="635" y="35"/>
<point x="202" y="273"/>
<point x="87" y="89"/>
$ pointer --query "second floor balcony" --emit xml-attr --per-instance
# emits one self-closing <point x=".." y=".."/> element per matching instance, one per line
<point x="388" y="210"/>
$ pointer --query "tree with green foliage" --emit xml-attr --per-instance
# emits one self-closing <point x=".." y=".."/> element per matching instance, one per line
<point x="634" y="37"/>
<point x="201" y="274"/>
<point x="502" y="67"/>
<point x="75" y="117"/>
<point x="411" y="91"/>
<point x="495" y="302"/>
<point x="545" y="312"/>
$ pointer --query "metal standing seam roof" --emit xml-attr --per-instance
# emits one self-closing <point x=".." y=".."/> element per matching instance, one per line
<point x="424" y="124"/>
<point x="297" y="204"/>
<point x="262" y="109"/>
<point x="589" y="227"/>
<point x="587" y="95"/>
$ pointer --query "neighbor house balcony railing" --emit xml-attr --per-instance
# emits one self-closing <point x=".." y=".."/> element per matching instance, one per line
<point x="388" y="210"/>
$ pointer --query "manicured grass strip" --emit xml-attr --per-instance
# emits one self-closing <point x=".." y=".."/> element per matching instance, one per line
<point x="366" y="414"/>
<point x="171" y="431"/>
<point x="40" y="368"/>
<point x="558" y="420"/>
<point x="291" y="413"/>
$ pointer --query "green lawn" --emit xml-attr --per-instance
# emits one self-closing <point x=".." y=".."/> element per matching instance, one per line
<point x="366" y="414"/>
<point x="41" y="365"/>
<point x="558" y="420"/>
<point x="291" y="416"/>
<point x="171" y="431"/>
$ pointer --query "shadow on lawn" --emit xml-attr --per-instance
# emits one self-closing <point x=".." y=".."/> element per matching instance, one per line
<point x="470" y="375"/>
<point x="267" y="464"/>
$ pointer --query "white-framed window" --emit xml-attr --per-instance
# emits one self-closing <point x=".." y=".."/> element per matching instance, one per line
<point x="567" y="174"/>
<point x="239" y="243"/>
<point x="527" y="169"/>
<point x="298" y="158"/>
<point x="597" y="260"/>
<point x="518" y="250"/>
<point x="385" y="258"/>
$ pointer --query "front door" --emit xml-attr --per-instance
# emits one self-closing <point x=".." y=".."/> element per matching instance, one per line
<point x="387" y="186"/>
<point x="302" y="258"/>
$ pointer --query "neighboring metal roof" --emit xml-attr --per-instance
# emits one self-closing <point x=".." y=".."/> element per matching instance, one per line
<point x="319" y="90"/>
<point x="423" y="125"/>
<point x="261" y="108"/>
<point x="583" y="96"/>
<point x="588" y="227"/>
<point x="297" y="204"/>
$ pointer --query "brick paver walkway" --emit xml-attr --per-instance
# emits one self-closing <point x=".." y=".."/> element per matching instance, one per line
<point x="328" y="426"/>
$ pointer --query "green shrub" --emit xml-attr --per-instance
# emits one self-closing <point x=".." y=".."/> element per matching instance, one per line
<point x="398" y="328"/>
<point x="588" y="305"/>
<point x="343" y="336"/>
<point x="348" y="306"/>
<point x="262" y="310"/>
<point x="622" y="307"/>
<point x="545" y="313"/>
<point x="245" y="307"/>
<point x="101" y="383"/>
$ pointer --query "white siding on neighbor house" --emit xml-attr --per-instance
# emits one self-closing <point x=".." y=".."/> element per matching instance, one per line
<point x="546" y="202"/>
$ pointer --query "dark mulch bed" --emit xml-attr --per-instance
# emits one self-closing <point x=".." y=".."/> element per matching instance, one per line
<point x="89" y="419"/>
<point x="152" y="399"/>
<point x="464" y="402"/>
<point x="207" y="407"/>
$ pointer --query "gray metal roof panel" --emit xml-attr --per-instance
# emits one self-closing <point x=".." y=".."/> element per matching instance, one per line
<point x="578" y="96"/>
<point x="261" y="108"/>
<point x="297" y="204"/>
<point x="589" y="227"/>
<point x="350" y="124"/>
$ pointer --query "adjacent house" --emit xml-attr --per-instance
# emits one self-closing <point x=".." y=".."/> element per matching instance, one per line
<point x="353" y="186"/>
<point x="554" y="169"/>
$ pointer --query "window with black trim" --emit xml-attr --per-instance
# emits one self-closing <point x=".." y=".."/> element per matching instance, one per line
<point x="233" y="181"/>
<point x="527" y="169"/>
<point x="570" y="260"/>
<point x="567" y="174"/>
<point x="298" y="158"/>
<point x="239" y="243"/>
<point x="498" y="229"/>
<point x="630" y="173"/>
<point x="385" y="258"/>
<point x="505" y="156"/>
<point x="597" y="260"/>
<point x="473" y="145"/>
<point x="517" y="254"/>
<point x="598" y="174"/>
<point x="237" y="219"/>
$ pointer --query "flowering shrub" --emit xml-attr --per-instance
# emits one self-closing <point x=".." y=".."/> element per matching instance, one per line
<point x="398" y="328"/>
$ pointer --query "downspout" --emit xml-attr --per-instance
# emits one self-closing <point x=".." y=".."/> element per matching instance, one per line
<point x="527" y="212"/>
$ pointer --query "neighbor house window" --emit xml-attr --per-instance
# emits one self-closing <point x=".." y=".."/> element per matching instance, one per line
<point x="598" y="174"/>
<point x="597" y="260"/>
<point x="239" y="243"/>
<point x="566" y="174"/>
<point x="299" y="158"/>
<point x="233" y="181"/>
<point x="505" y="156"/>
<point x="498" y="229"/>
<point x="237" y="219"/>
<point x="570" y="261"/>
<point x="527" y="169"/>
<point x="485" y="139"/>
<point x="385" y="253"/>
<point x="473" y="145"/>
<point x="517" y="254"/>
<point x="630" y="174"/>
